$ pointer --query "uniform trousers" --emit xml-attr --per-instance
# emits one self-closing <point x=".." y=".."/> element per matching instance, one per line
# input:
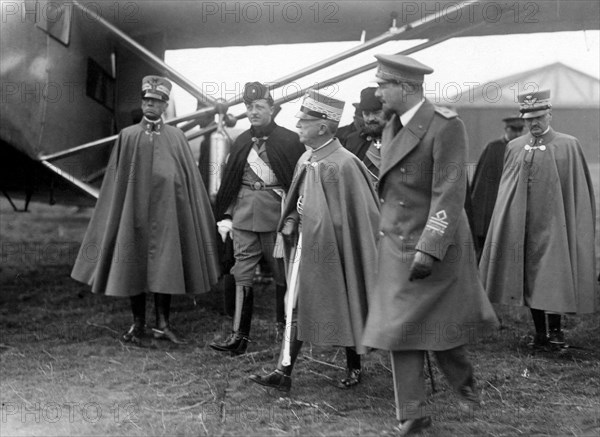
<point x="409" y="378"/>
<point x="248" y="248"/>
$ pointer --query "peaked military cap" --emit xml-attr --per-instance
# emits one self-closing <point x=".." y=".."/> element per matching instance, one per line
<point x="400" y="68"/>
<point x="534" y="104"/>
<point x="156" y="87"/>
<point x="316" y="106"/>
<point x="256" y="91"/>
<point x="514" y="121"/>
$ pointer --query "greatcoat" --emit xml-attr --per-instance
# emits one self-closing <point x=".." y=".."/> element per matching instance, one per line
<point x="539" y="250"/>
<point x="422" y="192"/>
<point x="153" y="227"/>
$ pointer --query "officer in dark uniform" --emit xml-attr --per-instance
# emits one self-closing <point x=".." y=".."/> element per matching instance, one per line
<point x="256" y="177"/>
<point x="484" y="187"/>
<point x="366" y="143"/>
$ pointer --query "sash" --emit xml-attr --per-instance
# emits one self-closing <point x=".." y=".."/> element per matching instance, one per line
<point x="267" y="176"/>
<point x="260" y="168"/>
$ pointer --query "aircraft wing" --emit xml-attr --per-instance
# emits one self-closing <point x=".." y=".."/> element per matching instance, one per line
<point x="194" y="24"/>
<point x="68" y="67"/>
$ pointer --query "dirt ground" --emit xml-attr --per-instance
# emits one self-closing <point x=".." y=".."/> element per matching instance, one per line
<point x="64" y="372"/>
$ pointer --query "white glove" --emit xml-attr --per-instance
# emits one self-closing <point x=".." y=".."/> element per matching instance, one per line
<point x="225" y="227"/>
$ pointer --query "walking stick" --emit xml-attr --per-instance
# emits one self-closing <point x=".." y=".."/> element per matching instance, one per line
<point x="295" y="254"/>
<point x="430" y="372"/>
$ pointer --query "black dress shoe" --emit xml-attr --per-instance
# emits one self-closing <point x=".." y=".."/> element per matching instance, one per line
<point x="276" y="379"/>
<point x="167" y="333"/>
<point x="236" y="343"/>
<point x="135" y="335"/>
<point x="352" y="378"/>
<point x="470" y="400"/>
<point x="557" y="339"/>
<point x="413" y="426"/>
<point x="540" y="341"/>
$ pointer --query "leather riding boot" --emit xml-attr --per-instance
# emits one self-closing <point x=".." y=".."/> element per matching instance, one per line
<point x="556" y="337"/>
<point x="237" y="342"/>
<point x="281" y="378"/>
<point x="227" y="282"/>
<point x="137" y="330"/>
<point x="541" y="334"/>
<point x="353" y="369"/>
<point x="279" y="312"/>
<point x="162" y="309"/>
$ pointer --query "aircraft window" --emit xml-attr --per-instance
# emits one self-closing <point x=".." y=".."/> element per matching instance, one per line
<point x="100" y="85"/>
<point x="55" y="19"/>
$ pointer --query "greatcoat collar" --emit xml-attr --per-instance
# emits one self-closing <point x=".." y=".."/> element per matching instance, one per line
<point x="396" y="147"/>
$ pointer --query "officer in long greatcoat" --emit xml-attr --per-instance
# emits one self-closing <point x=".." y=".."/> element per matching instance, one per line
<point x="428" y="294"/>
<point x="256" y="178"/>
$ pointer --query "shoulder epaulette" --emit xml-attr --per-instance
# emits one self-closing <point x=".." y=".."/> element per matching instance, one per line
<point x="445" y="112"/>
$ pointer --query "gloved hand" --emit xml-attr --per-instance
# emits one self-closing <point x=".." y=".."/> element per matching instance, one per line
<point x="225" y="228"/>
<point x="421" y="266"/>
<point x="289" y="230"/>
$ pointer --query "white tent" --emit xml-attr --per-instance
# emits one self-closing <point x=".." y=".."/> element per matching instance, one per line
<point x="575" y="102"/>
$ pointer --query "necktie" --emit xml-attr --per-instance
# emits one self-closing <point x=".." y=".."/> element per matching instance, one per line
<point x="397" y="126"/>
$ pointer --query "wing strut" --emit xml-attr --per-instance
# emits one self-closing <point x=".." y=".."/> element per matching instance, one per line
<point x="72" y="179"/>
<point x="213" y="105"/>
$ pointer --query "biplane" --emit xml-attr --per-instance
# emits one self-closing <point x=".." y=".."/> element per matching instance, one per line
<point x="70" y="70"/>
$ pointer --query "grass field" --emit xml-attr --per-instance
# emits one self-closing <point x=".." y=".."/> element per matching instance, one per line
<point x="64" y="371"/>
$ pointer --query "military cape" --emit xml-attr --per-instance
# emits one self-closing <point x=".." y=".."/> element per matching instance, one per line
<point x="484" y="187"/>
<point x="339" y="253"/>
<point x="152" y="228"/>
<point x="539" y="250"/>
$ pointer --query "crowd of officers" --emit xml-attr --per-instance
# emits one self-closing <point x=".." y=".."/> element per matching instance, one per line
<point x="364" y="229"/>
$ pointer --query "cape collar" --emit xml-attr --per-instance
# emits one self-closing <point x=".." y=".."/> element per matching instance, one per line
<point x="325" y="150"/>
<point x="152" y="126"/>
<point x="539" y="143"/>
<point x="262" y="131"/>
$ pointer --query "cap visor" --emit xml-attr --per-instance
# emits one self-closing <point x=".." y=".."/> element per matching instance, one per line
<point x="150" y="95"/>
<point x="535" y="114"/>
